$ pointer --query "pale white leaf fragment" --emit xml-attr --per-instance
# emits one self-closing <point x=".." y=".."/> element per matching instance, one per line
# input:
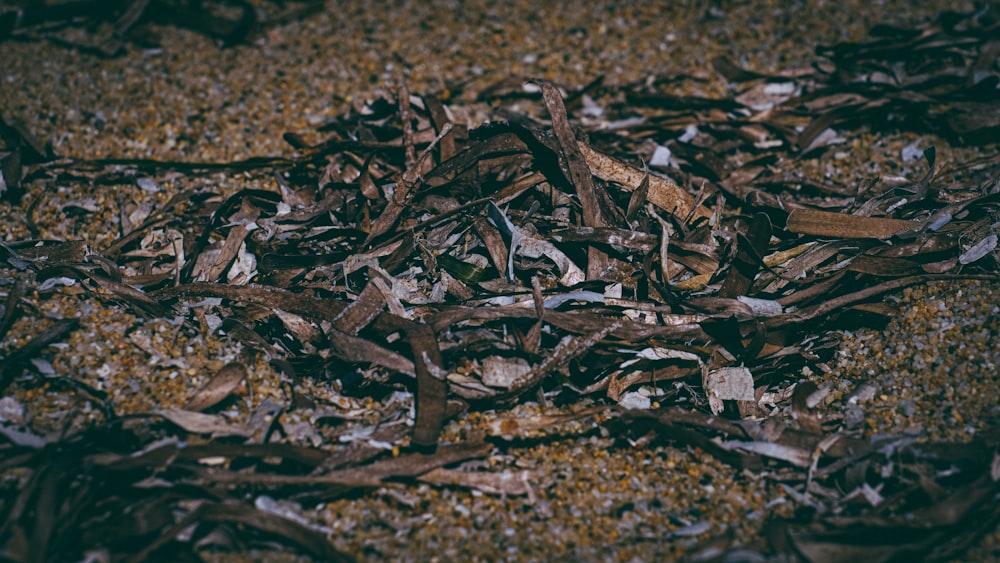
<point x="506" y="483"/>
<point x="635" y="400"/>
<point x="391" y="292"/>
<point x="817" y="396"/>
<point x="87" y="204"/>
<point x="658" y="353"/>
<point x="555" y="301"/>
<point x="43" y="366"/>
<point x="978" y="250"/>
<point x="213" y="322"/>
<point x="695" y="529"/>
<point x="213" y="460"/>
<point x="761" y="307"/>
<point x="871" y="495"/>
<point x="148" y="185"/>
<point x="363" y="434"/>
<point x="137" y="216"/>
<point x="625" y="123"/>
<point x="244" y="268"/>
<point x="661" y="157"/>
<point x="11" y="410"/>
<point x="865" y="491"/>
<point x="791" y="454"/>
<point x="23" y="439"/>
<point x="939" y="219"/>
<point x="827" y="137"/>
<point x="468" y="387"/>
<point x="912" y="152"/>
<point x="302" y="431"/>
<point x="900" y="203"/>
<point x="767" y="95"/>
<point x="530" y="88"/>
<point x="613" y="291"/>
<point x="590" y="107"/>
<point x="864" y="392"/>
<point x="690" y="132"/>
<point x="510" y="232"/>
<point x="289" y="511"/>
<point x="727" y="384"/>
<point x="498" y="371"/>
<point x="52" y="283"/>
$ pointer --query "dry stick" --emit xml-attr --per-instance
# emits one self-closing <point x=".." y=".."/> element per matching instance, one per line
<point x="663" y="193"/>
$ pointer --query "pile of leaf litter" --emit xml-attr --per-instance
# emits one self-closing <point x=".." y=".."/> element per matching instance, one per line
<point x="636" y="258"/>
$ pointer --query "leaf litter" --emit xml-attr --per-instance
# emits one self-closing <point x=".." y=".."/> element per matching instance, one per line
<point x="442" y="267"/>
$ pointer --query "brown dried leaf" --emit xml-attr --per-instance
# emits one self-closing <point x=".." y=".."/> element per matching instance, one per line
<point x="663" y="193"/>
<point x="839" y="225"/>
<point x="354" y="349"/>
<point x="227" y="380"/>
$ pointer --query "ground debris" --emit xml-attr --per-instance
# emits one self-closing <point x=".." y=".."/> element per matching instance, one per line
<point x="423" y="267"/>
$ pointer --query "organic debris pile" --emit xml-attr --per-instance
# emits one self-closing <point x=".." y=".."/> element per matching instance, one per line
<point x="638" y="259"/>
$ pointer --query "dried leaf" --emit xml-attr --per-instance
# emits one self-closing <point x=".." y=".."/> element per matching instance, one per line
<point x="728" y="384"/>
<point x="198" y="423"/>
<point x="977" y="251"/>
<point x="505" y="483"/>
<point x="838" y="225"/>
<point x="220" y="386"/>
<point x="662" y="193"/>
